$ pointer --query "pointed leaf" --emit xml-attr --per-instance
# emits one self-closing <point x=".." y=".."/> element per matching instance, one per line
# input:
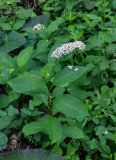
<point x="48" y="125"/>
<point x="13" y="40"/>
<point x="24" y="56"/>
<point x="68" y="75"/>
<point x="28" y="83"/>
<point x="73" y="132"/>
<point x="70" y="106"/>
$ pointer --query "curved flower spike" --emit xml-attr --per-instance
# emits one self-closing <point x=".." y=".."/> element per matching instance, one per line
<point x="67" y="48"/>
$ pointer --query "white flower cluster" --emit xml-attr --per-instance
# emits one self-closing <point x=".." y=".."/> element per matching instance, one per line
<point x="71" y="67"/>
<point x="38" y="27"/>
<point x="67" y="48"/>
<point x="106" y="132"/>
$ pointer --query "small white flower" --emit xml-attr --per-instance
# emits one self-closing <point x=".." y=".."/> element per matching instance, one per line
<point x="67" y="48"/>
<point x="38" y="27"/>
<point x="76" y="69"/>
<point x="70" y="67"/>
<point x="106" y="132"/>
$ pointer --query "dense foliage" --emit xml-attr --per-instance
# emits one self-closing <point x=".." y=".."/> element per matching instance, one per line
<point x="42" y="99"/>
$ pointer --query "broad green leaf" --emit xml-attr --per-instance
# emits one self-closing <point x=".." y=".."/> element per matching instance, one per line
<point x="12" y="41"/>
<point x="58" y="91"/>
<point x="28" y="83"/>
<point x="42" y="46"/>
<point x="4" y="122"/>
<point x="3" y="141"/>
<point x="41" y="52"/>
<point x="48" y="125"/>
<point x="54" y="130"/>
<point x="54" y="25"/>
<point x="18" y="24"/>
<point x="7" y="67"/>
<point x="69" y="5"/>
<point x="32" y="128"/>
<point x="24" y="13"/>
<point x="94" y="42"/>
<point x="67" y="75"/>
<point x="24" y="56"/>
<point x="43" y="98"/>
<point x="72" y="132"/>
<point x="74" y="90"/>
<point x="30" y="154"/>
<point x="5" y="26"/>
<point x="70" y="106"/>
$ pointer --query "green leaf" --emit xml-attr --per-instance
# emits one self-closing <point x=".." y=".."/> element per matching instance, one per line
<point x="72" y="132"/>
<point x="69" y="5"/>
<point x="4" y="101"/>
<point x="114" y="4"/>
<point x="18" y="24"/>
<point x="30" y="154"/>
<point x="54" y="130"/>
<point x="43" y="98"/>
<point x="67" y="75"/>
<point x="3" y="141"/>
<point x="12" y="111"/>
<point x="74" y="90"/>
<point x="42" y="46"/>
<point x="57" y="149"/>
<point x="55" y="24"/>
<point x="70" y="151"/>
<point x="12" y="41"/>
<point x="48" y="125"/>
<point x="70" y="106"/>
<point x="32" y="128"/>
<point x="94" y="42"/>
<point x="58" y="91"/>
<point x="5" y="26"/>
<point x="24" y="13"/>
<point x="4" y="122"/>
<point x="7" y="67"/>
<point x="24" y="56"/>
<point x="28" y="83"/>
